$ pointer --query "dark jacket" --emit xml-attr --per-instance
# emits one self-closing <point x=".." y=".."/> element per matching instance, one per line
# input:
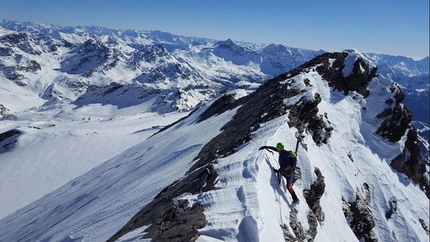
<point x="287" y="159"/>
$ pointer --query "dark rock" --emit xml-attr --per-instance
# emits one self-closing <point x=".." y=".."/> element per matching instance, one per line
<point x="314" y="195"/>
<point x="179" y="223"/>
<point x="32" y="66"/>
<point x="90" y="57"/>
<point x="397" y="117"/>
<point x="396" y="123"/>
<point x="299" y="233"/>
<point x="360" y="216"/>
<point x="164" y="214"/>
<point x="409" y="161"/>
<point x="9" y="134"/>
<point x="22" y="41"/>
<point x="66" y="43"/>
<point x="16" y="72"/>
<point x="8" y="139"/>
<point x="11" y="74"/>
<point x="305" y="113"/>
<point x="297" y="227"/>
<point x="313" y="226"/>
<point x="6" y="51"/>
<point x="221" y="105"/>
<point x="287" y="234"/>
<point x="358" y="81"/>
<point x="3" y="110"/>
<point x="425" y="227"/>
<point x="393" y="208"/>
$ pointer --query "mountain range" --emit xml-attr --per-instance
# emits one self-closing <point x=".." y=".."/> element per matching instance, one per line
<point x="61" y="86"/>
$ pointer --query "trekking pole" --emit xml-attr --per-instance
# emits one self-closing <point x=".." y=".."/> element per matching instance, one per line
<point x="277" y="174"/>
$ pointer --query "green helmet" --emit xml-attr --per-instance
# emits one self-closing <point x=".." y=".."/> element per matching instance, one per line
<point x="279" y="146"/>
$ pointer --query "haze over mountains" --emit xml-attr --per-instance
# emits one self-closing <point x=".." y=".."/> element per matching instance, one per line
<point x="77" y="98"/>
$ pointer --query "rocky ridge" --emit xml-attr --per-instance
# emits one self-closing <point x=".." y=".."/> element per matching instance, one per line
<point x="265" y="104"/>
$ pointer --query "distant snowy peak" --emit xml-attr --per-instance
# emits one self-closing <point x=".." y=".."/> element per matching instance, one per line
<point x="30" y="43"/>
<point x="86" y="58"/>
<point x="84" y="32"/>
<point x="295" y="54"/>
<point x="59" y="63"/>
<point x="402" y="65"/>
<point x="231" y="46"/>
<point x="272" y="59"/>
<point x="238" y="55"/>
<point x="423" y="65"/>
<point x="4" y="31"/>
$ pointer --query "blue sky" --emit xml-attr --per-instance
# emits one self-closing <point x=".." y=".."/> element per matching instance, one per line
<point x="397" y="27"/>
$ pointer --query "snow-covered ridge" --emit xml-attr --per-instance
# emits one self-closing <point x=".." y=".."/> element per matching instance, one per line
<point x="341" y="149"/>
<point x="104" y="92"/>
<point x="40" y="57"/>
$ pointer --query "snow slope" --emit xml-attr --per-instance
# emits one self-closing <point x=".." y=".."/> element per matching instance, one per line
<point x="117" y="188"/>
<point x="62" y="143"/>
<point x="249" y="204"/>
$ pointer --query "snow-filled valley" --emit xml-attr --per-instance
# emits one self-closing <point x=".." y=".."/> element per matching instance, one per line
<point x="60" y="144"/>
<point x="79" y="170"/>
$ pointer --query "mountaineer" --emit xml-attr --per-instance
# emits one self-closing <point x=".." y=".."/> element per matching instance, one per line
<point x="287" y="162"/>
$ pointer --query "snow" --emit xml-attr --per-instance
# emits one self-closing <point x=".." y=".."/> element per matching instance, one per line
<point x="121" y="169"/>
<point x="69" y="142"/>
<point x="353" y="54"/>
<point x="79" y="173"/>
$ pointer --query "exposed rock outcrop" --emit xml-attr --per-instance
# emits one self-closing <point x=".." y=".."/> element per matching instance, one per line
<point x="8" y="139"/>
<point x="305" y="113"/>
<point x="397" y="117"/>
<point x="392" y="203"/>
<point x="3" y="110"/>
<point x="179" y="223"/>
<point x="424" y="225"/>
<point x="314" y="195"/>
<point x="359" y="215"/>
<point x="409" y="161"/>
<point x="396" y="124"/>
<point x="299" y="233"/>
<point x="330" y="66"/>
<point x="23" y="65"/>
<point x="170" y="220"/>
<point x="357" y="81"/>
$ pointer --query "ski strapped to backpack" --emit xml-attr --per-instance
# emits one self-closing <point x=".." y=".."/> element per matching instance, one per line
<point x="299" y="137"/>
